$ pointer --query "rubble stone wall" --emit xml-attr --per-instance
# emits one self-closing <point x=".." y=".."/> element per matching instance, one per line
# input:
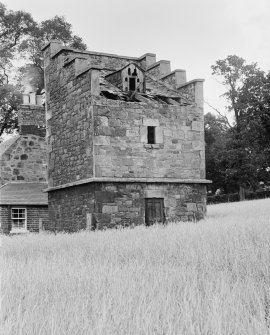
<point x="25" y="160"/>
<point x="107" y="205"/>
<point x="69" y="128"/>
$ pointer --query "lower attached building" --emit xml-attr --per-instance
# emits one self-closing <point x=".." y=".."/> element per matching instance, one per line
<point x="23" y="207"/>
<point x="101" y="203"/>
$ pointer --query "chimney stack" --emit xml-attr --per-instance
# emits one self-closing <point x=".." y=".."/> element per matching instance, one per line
<point x="32" y="99"/>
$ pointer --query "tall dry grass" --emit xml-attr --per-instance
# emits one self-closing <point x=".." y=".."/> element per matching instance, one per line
<point x="212" y="277"/>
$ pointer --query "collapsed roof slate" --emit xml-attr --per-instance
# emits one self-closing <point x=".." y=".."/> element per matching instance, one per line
<point x="156" y="90"/>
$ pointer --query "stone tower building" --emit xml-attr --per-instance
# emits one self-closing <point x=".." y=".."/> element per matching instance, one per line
<point x="125" y="140"/>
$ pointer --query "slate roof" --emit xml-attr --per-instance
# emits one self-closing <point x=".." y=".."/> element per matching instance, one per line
<point x="154" y="87"/>
<point x="23" y="194"/>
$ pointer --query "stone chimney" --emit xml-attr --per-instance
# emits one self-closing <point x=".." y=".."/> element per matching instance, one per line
<point x="31" y="116"/>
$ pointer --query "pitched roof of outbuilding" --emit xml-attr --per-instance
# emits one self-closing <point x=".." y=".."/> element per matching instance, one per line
<point x="23" y="194"/>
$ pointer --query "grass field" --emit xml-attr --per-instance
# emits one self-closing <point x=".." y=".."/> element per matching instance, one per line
<point x="212" y="277"/>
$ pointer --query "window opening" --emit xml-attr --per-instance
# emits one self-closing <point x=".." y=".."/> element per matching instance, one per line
<point x="151" y="135"/>
<point x="129" y="71"/>
<point x="18" y="218"/>
<point x="132" y="84"/>
<point x="138" y="80"/>
<point x="126" y="79"/>
<point x="134" y="72"/>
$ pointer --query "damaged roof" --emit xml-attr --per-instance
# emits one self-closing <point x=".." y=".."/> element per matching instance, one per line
<point x="23" y="194"/>
<point x="155" y="89"/>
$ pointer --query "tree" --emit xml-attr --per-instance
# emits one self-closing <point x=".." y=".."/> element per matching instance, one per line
<point x="10" y="100"/>
<point x="215" y="145"/>
<point x="246" y="158"/>
<point x="237" y="76"/>
<point x="56" y="28"/>
<point x="22" y="37"/>
<point x="14" y="27"/>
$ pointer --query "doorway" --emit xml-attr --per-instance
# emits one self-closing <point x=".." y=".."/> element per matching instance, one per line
<point x="154" y="211"/>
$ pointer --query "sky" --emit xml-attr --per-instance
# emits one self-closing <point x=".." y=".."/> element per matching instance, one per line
<point x="192" y="34"/>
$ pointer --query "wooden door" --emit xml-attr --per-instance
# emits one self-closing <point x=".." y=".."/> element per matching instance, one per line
<point x="154" y="211"/>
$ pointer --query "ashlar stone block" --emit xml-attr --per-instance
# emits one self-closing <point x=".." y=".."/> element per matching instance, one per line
<point x="159" y="135"/>
<point x="151" y="122"/>
<point x="102" y="140"/>
<point x="107" y="209"/>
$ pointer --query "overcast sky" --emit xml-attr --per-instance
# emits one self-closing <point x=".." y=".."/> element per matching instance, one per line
<point x="192" y="34"/>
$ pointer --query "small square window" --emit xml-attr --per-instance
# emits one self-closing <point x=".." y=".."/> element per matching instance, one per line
<point x="18" y="218"/>
<point x="151" y="138"/>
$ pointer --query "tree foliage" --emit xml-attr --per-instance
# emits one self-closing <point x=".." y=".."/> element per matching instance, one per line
<point x="243" y="158"/>
<point x="22" y="37"/>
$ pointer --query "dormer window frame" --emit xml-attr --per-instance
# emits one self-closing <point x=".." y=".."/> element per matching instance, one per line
<point x="133" y="78"/>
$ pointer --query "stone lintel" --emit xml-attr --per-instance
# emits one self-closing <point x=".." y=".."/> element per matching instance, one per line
<point x="158" y="64"/>
<point x="46" y="45"/>
<point x="172" y="73"/>
<point x="146" y="54"/>
<point x="130" y="180"/>
<point x="179" y="76"/>
<point x="164" y="67"/>
<point x="73" y="59"/>
<point x="193" y="81"/>
<point x="88" y="68"/>
<point x="147" y="59"/>
<point x="31" y="107"/>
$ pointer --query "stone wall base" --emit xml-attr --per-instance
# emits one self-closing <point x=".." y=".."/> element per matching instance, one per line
<point x="107" y="205"/>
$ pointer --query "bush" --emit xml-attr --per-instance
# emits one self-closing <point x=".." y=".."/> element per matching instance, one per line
<point x="218" y="199"/>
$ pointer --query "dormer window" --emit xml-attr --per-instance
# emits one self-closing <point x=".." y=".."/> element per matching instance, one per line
<point x="135" y="78"/>
<point x="130" y="78"/>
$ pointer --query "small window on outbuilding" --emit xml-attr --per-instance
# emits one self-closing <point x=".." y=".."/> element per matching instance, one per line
<point x="151" y="135"/>
<point x="18" y="218"/>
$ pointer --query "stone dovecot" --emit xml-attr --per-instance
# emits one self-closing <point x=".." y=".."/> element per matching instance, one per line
<point x="125" y="140"/>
